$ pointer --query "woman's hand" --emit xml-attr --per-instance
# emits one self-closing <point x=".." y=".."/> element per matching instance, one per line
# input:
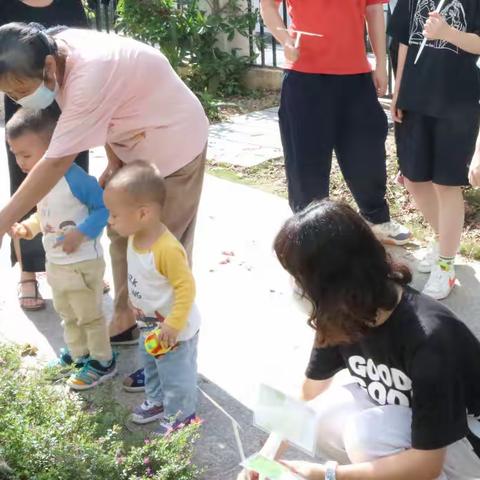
<point x="307" y="470"/>
<point x="397" y="113"/>
<point x="291" y="52"/>
<point x="474" y="173"/>
<point x="114" y="164"/>
<point x="19" y="230"/>
<point x="108" y="174"/>
<point x="380" y="80"/>
<point x="436" y="28"/>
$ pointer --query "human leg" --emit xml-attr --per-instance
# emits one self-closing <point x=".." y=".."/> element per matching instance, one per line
<point x="184" y="189"/>
<point x="360" y="146"/>
<point x="87" y="305"/>
<point x="383" y="431"/>
<point x="30" y="254"/>
<point x="178" y="377"/>
<point x="454" y="141"/>
<point x="81" y="288"/>
<point x="307" y="125"/>
<point x="123" y="320"/>
<point x="60" y="281"/>
<point x="152" y="408"/>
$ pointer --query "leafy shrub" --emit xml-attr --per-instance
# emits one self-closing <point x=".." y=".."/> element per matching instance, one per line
<point x="189" y="38"/>
<point x="49" y="433"/>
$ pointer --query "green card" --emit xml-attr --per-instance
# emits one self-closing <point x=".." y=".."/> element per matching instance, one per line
<point x="268" y="468"/>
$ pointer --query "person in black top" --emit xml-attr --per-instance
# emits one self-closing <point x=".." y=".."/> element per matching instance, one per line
<point x="49" y="13"/>
<point x="412" y="407"/>
<point x="436" y="105"/>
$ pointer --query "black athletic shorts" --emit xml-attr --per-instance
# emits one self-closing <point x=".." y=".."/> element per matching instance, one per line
<point x="437" y="149"/>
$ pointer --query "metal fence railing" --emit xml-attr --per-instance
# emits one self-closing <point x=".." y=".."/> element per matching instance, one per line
<point x="104" y="14"/>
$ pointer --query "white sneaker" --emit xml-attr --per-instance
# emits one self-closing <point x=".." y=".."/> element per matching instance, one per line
<point x="431" y="257"/>
<point x="391" y="233"/>
<point x="440" y="283"/>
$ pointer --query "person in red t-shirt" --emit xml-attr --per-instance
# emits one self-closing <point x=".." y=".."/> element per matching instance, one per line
<point x="329" y="103"/>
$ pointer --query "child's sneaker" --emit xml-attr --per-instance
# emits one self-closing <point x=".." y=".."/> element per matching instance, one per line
<point x="391" y="233"/>
<point x="431" y="257"/>
<point x="65" y="359"/>
<point x="147" y="412"/>
<point x="135" y="382"/>
<point x="440" y="283"/>
<point x="167" y="428"/>
<point x="92" y="374"/>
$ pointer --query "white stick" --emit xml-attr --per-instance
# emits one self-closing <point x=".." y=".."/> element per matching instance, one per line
<point x="297" y="39"/>
<point x="424" y="41"/>
<point x="238" y="439"/>
<point x="300" y="31"/>
<point x="235" y="425"/>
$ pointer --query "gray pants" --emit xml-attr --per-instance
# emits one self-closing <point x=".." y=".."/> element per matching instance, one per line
<point x="354" y="429"/>
<point x="171" y="380"/>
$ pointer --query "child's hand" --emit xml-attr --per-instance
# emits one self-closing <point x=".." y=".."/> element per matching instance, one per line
<point x="18" y="230"/>
<point x="71" y="241"/>
<point x="397" y="113"/>
<point x="436" y="28"/>
<point x="168" y="335"/>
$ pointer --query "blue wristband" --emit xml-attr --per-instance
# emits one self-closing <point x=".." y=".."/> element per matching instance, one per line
<point x="331" y="470"/>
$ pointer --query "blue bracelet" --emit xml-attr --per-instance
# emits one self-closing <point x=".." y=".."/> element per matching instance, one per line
<point x="331" y="470"/>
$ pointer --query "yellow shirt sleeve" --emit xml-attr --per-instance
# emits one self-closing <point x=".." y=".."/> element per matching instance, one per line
<point x="171" y="262"/>
<point x="32" y="223"/>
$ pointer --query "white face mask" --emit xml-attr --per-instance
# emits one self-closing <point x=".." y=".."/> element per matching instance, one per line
<point x="41" y="98"/>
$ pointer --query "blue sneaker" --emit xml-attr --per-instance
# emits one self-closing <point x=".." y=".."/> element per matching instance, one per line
<point x="66" y="360"/>
<point x="135" y="382"/>
<point x="92" y="374"/>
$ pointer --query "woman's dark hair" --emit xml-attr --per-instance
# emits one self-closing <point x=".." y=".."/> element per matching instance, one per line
<point x="341" y="268"/>
<point x="23" y="49"/>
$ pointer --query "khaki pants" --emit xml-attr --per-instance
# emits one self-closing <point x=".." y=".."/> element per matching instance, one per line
<point x="184" y="188"/>
<point x="77" y="297"/>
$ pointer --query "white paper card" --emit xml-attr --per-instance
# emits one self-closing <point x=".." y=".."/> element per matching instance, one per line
<point x="289" y="418"/>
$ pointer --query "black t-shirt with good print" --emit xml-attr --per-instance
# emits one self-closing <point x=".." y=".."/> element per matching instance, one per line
<point x="445" y="81"/>
<point x="422" y="357"/>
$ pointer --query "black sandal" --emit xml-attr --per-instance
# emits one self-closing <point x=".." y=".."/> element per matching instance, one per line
<point x="37" y="297"/>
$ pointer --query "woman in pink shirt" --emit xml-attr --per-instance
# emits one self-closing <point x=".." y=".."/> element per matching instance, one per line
<point x="116" y="92"/>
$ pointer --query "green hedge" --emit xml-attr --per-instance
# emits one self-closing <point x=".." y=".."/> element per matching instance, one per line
<point x="49" y="433"/>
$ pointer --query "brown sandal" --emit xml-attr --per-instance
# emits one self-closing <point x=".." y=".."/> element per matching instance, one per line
<point x="34" y="308"/>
